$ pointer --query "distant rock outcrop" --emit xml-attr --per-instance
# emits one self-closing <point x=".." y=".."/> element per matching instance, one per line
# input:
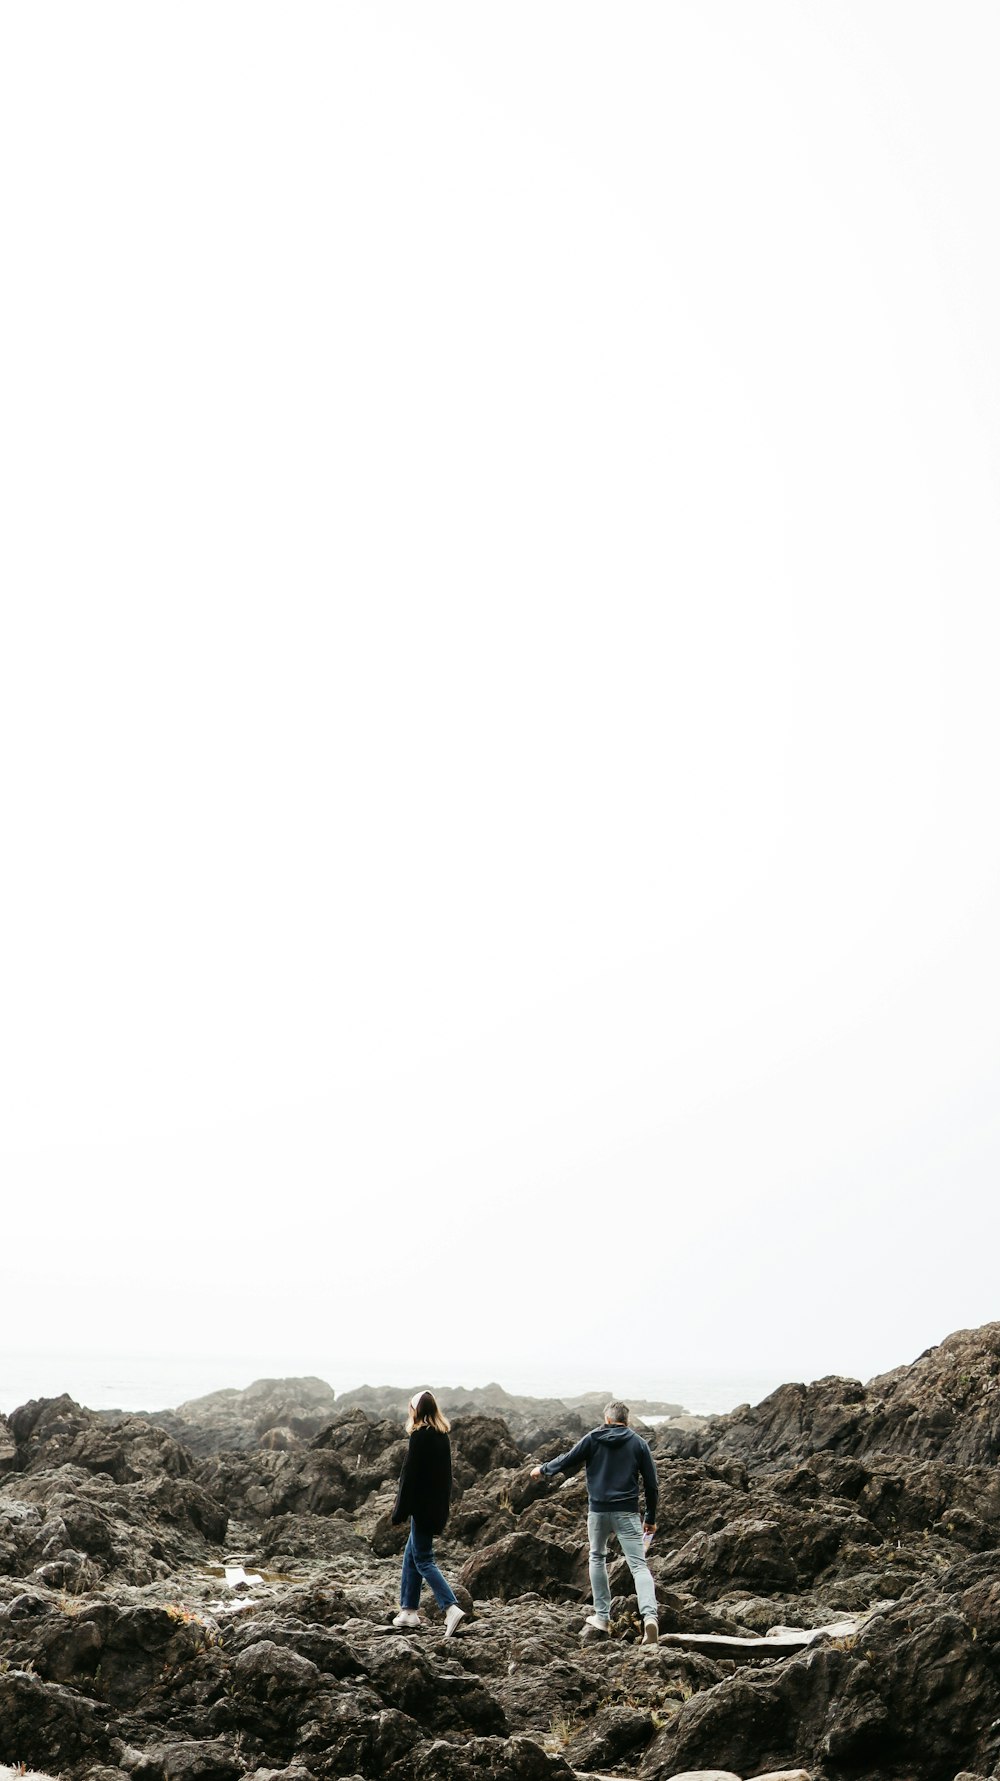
<point x="272" y="1413"/>
<point x="279" y="1414"/>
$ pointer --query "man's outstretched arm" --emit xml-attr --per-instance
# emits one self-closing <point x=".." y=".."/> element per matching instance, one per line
<point x="567" y="1462"/>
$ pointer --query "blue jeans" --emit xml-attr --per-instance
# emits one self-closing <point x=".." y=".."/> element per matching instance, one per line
<point x="419" y="1567"/>
<point x="601" y="1524"/>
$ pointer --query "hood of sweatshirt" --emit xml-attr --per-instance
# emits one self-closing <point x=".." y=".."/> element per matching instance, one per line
<point x="613" y="1434"/>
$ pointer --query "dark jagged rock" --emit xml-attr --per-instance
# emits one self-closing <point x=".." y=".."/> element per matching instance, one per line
<point x="8" y="1447"/>
<point x="482" y="1444"/>
<point x="330" y="1653"/>
<point x="748" y="1554"/>
<point x="47" y="1725"/>
<point x="185" y="1760"/>
<point x="405" y="1678"/>
<point x="532" y="1422"/>
<point x="752" y="1722"/>
<point x="118" y="1653"/>
<point x="349" y="1459"/>
<point x="280" y="1414"/>
<point x="52" y="1432"/>
<point x="239" y="1420"/>
<point x="614" y="1737"/>
<point x="283" y="1539"/>
<point x="505" y="1759"/>
<point x="945" y="1406"/>
<point x="355" y="1436"/>
<point x="522" y="1564"/>
<point x="69" y="1528"/>
<point x="125" y="1651"/>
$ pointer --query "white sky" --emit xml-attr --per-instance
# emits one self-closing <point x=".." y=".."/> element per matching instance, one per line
<point x="498" y="684"/>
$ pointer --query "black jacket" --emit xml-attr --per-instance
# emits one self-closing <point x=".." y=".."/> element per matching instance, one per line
<point x="615" y="1457"/>
<point x="425" y="1481"/>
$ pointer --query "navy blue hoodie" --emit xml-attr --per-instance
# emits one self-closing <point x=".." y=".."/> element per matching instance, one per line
<point x="615" y="1457"/>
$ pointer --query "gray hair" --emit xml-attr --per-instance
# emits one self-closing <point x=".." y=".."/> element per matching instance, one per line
<point x="616" y="1411"/>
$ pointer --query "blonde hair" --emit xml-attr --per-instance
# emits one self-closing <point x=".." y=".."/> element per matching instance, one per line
<point x="424" y="1414"/>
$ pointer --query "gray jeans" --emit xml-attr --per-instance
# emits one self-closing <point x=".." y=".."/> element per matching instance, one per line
<point x="601" y="1524"/>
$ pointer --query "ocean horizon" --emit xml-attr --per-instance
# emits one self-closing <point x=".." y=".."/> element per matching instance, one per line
<point x="160" y="1382"/>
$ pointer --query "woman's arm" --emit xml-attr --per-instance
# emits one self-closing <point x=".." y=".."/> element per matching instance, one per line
<point x="401" y="1506"/>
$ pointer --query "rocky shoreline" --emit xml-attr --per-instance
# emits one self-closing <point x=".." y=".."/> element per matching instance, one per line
<point x="207" y="1593"/>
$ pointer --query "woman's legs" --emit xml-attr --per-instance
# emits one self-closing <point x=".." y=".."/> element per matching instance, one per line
<point x="409" y="1583"/>
<point x="419" y="1555"/>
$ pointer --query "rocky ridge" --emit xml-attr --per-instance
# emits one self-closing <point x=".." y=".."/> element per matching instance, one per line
<point x="283" y="1413"/>
<point x="865" y="1516"/>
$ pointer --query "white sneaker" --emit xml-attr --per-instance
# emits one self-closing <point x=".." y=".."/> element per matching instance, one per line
<point x="650" y="1633"/>
<point x="407" y="1617"/>
<point x="596" y="1624"/>
<point x="452" y="1618"/>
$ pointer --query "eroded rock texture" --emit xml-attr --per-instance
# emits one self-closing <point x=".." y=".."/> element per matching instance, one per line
<point x="872" y="1511"/>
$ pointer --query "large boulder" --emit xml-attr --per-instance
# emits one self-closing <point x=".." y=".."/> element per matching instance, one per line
<point x="362" y="1440"/>
<point x="849" y="1706"/>
<point x="523" y="1564"/>
<point x="751" y="1721"/>
<point x="793" y="1422"/>
<point x="482" y="1444"/>
<point x="440" y="1697"/>
<point x="185" y="1759"/>
<point x="751" y="1553"/>
<point x="945" y="1406"/>
<point x="520" y="1758"/>
<point x="117" y="1652"/>
<point x="69" y="1528"/>
<point x="53" y="1432"/>
<point x="241" y="1420"/>
<point x="270" y="1672"/>
<point x="47" y="1725"/>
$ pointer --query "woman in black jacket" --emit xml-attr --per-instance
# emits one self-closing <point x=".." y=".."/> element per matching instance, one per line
<point x="425" y="1495"/>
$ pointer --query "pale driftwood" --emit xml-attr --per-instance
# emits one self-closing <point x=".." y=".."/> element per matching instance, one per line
<point x="783" y="1643"/>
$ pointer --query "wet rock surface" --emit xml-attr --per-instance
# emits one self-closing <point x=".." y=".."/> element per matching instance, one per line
<point x="868" y="1514"/>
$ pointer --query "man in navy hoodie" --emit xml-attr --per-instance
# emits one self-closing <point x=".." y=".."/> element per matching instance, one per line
<point x="615" y="1458"/>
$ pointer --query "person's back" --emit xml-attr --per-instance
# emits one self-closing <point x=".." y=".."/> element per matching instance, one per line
<point x="615" y="1458"/>
<point x="425" y="1484"/>
<point x="423" y="1497"/>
